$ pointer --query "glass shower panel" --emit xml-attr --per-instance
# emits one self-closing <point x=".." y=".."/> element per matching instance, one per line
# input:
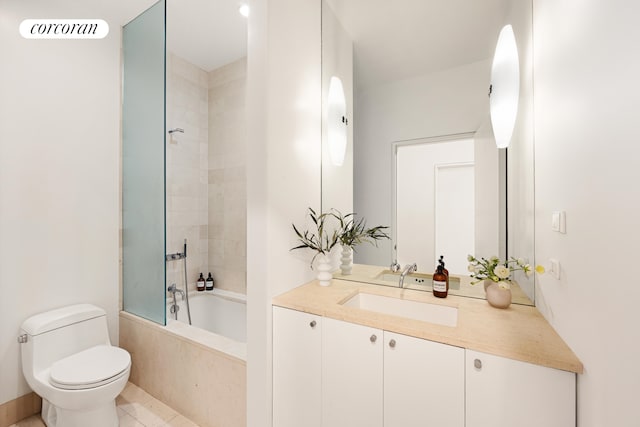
<point x="143" y="164"/>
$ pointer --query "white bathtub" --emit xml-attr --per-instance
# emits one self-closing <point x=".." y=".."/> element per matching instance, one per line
<point x="218" y="317"/>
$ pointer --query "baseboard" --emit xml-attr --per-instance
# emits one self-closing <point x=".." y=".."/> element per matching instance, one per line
<point x="18" y="409"/>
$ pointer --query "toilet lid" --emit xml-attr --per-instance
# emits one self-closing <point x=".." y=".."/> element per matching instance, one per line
<point x="90" y="368"/>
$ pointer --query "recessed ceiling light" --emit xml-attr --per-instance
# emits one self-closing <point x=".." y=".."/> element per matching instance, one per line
<point x="244" y="10"/>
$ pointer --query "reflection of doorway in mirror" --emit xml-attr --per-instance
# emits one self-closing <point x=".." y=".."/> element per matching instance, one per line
<point x="434" y="202"/>
<point x="454" y="214"/>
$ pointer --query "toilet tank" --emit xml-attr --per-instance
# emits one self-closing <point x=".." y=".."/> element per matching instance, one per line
<point x="59" y="333"/>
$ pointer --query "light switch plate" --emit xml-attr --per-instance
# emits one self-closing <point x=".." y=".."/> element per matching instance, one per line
<point x="563" y="222"/>
<point x="559" y="221"/>
<point x="555" y="221"/>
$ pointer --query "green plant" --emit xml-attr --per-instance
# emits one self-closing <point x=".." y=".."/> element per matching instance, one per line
<point x="497" y="271"/>
<point x="318" y="240"/>
<point x="354" y="231"/>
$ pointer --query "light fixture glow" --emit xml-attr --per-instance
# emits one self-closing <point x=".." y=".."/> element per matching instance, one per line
<point x="505" y="87"/>
<point x="244" y="10"/>
<point x="337" y="122"/>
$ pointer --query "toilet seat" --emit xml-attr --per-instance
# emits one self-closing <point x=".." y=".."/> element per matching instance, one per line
<point x="90" y="368"/>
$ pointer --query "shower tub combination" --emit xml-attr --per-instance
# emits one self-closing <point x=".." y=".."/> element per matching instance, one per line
<point x="199" y="369"/>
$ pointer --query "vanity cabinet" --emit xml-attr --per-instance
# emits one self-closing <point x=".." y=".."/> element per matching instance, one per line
<point x="351" y="375"/>
<point x="332" y="373"/>
<point x="423" y="383"/>
<point x="375" y="378"/>
<point x="502" y="392"/>
<point x="297" y="350"/>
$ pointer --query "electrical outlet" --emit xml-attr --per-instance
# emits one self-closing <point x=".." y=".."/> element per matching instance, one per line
<point x="555" y="268"/>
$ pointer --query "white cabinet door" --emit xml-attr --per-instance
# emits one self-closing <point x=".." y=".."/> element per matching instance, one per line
<point x="502" y="392"/>
<point x="297" y="349"/>
<point x="423" y="383"/>
<point x="351" y="375"/>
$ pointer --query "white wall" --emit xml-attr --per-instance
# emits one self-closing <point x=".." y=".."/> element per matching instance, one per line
<point x="283" y="170"/>
<point x="587" y="100"/>
<point x="442" y="103"/>
<point x="59" y="172"/>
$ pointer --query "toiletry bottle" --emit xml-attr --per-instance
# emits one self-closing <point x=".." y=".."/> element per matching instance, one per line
<point x="209" y="283"/>
<point x="444" y="270"/>
<point x="440" y="288"/>
<point x="200" y="283"/>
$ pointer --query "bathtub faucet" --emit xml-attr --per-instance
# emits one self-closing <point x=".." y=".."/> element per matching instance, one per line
<point x="173" y="289"/>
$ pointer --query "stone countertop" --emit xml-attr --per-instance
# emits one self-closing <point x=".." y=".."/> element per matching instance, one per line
<point x="519" y="332"/>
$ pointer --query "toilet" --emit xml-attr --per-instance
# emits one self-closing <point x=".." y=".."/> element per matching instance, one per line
<point x="68" y="360"/>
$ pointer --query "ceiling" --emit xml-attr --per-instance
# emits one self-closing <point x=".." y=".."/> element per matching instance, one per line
<point x="392" y="40"/>
<point x="399" y="39"/>
<point x="207" y="33"/>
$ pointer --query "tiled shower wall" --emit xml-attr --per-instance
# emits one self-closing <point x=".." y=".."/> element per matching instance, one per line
<point x="227" y="176"/>
<point x="206" y="179"/>
<point x="187" y="165"/>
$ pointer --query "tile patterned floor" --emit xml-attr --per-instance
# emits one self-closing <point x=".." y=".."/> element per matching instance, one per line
<point x="136" y="408"/>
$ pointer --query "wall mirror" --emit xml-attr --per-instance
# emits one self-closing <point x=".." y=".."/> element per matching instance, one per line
<point x="420" y="155"/>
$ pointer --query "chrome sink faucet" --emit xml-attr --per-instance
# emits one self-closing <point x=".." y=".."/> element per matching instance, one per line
<point x="408" y="269"/>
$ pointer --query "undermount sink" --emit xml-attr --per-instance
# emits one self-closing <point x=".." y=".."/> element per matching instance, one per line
<point x="416" y="310"/>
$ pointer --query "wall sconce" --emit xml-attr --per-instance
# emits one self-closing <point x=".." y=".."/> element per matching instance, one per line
<point x="504" y="91"/>
<point x="337" y="122"/>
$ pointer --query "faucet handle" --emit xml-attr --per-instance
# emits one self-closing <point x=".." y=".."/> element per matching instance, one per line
<point x="395" y="267"/>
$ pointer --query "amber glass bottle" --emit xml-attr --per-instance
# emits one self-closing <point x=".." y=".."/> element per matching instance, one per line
<point x="440" y="285"/>
<point x="444" y="270"/>
<point x="200" y="284"/>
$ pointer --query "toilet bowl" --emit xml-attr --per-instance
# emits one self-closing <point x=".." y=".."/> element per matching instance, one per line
<point x="68" y="360"/>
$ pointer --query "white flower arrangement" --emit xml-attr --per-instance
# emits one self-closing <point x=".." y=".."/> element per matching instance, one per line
<point x="497" y="271"/>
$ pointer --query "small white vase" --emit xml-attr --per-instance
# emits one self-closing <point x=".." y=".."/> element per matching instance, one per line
<point x="346" y="260"/>
<point x="323" y="267"/>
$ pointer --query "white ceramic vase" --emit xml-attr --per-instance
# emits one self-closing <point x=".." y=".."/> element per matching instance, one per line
<point x="346" y="260"/>
<point x="496" y="296"/>
<point x="323" y="267"/>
